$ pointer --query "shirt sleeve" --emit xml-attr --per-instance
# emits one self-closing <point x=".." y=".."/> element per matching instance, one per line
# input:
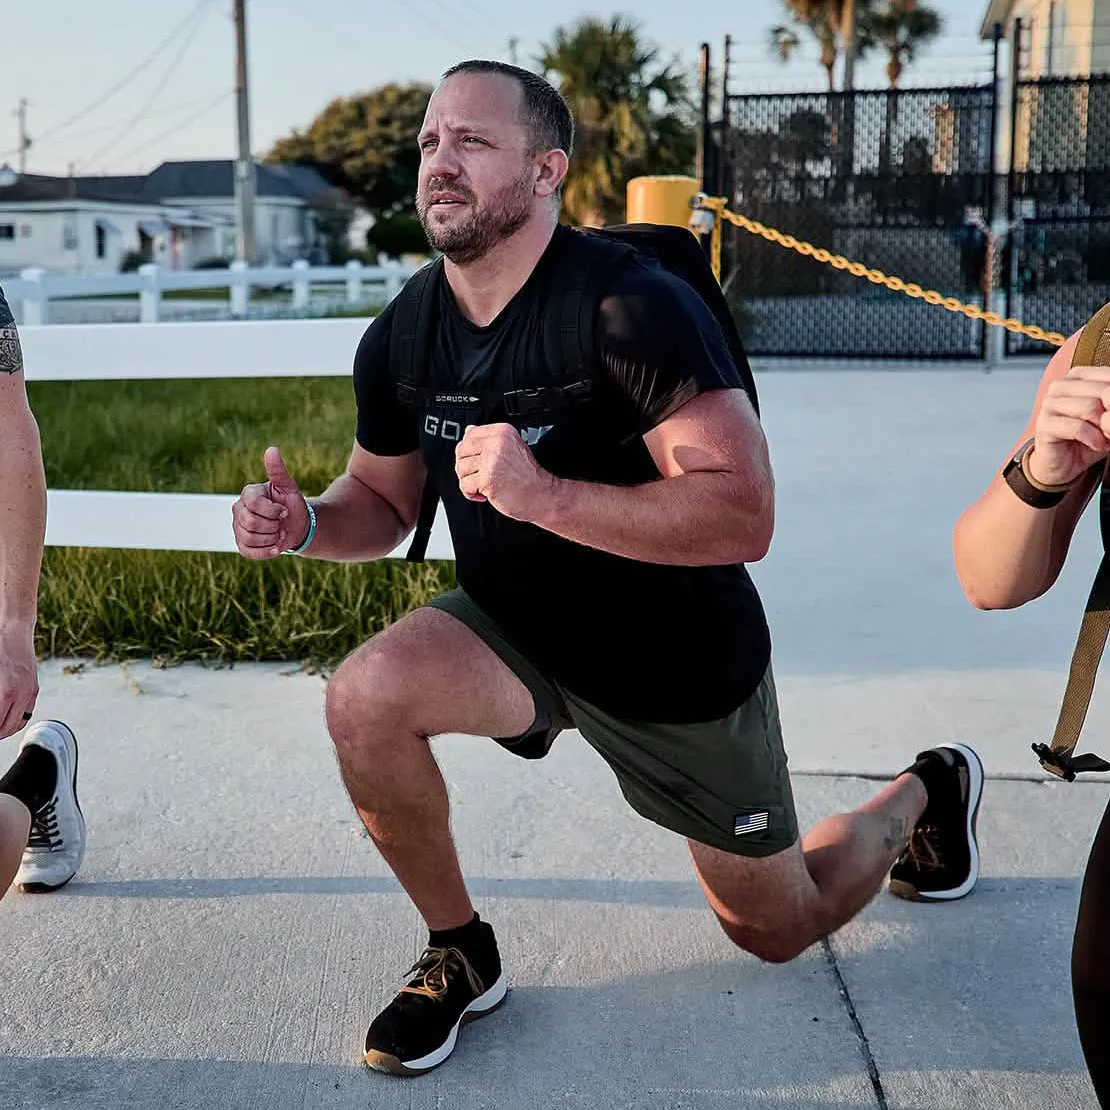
<point x="661" y="345"/>
<point x="385" y="426"/>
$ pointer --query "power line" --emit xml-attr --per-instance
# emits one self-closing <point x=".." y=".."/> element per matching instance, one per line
<point x="177" y="128"/>
<point x="175" y="63"/>
<point x="145" y="64"/>
<point x="175" y="110"/>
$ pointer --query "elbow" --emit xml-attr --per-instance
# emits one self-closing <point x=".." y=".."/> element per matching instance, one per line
<point x="751" y="539"/>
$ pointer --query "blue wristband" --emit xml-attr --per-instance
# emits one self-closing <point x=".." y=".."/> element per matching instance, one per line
<point x="311" y="531"/>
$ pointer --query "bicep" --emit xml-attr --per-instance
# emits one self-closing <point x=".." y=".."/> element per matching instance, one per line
<point x="715" y="432"/>
<point x="396" y="479"/>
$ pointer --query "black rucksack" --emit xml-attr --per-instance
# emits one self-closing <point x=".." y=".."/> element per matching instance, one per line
<point x="589" y="258"/>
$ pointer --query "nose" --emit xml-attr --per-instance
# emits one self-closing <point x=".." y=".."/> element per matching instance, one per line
<point x="441" y="162"/>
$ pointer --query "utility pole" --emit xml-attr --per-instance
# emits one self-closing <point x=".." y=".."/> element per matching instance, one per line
<point x="849" y="33"/>
<point x="724" y="165"/>
<point x="704" y="161"/>
<point x="244" y="166"/>
<point x="24" y="138"/>
<point x="513" y="43"/>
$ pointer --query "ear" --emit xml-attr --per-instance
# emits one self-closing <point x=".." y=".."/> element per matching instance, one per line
<point x="551" y="172"/>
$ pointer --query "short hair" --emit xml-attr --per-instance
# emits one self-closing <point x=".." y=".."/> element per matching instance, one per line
<point x="546" y="116"/>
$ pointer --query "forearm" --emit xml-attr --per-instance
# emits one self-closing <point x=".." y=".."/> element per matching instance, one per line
<point x="354" y="524"/>
<point x="22" y="518"/>
<point x="695" y="519"/>
<point x="1008" y="553"/>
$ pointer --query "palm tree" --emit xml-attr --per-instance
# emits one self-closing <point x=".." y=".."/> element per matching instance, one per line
<point x="829" y="21"/>
<point x="785" y="43"/>
<point x="633" y="114"/>
<point x="899" y="29"/>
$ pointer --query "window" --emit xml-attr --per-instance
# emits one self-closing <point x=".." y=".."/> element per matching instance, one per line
<point x="7" y="231"/>
<point x="101" y="240"/>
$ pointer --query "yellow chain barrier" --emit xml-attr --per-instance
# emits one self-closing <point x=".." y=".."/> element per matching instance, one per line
<point x="717" y="205"/>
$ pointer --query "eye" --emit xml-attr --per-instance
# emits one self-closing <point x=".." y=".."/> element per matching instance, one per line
<point x="474" y="139"/>
<point x="427" y="144"/>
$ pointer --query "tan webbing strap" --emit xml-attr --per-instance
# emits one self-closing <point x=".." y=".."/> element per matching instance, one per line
<point x="1057" y="758"/>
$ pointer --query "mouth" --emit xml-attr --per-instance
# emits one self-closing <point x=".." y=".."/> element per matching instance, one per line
<point x="446" y="200"/>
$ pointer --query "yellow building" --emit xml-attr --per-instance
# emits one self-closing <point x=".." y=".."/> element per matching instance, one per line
<point x="1060" y="38"/>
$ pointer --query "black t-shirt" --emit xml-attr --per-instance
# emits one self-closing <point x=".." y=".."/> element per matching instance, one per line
<point x="641" y="641"/>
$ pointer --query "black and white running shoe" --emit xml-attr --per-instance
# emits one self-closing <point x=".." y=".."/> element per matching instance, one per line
<point x="941" y="861"/>
<point x="417" y="1031"/>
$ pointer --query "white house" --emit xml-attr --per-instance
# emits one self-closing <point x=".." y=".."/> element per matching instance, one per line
<point x="1061" y="125"/>
<point x="1060" y="38"/>
<point x="181" y="214"/>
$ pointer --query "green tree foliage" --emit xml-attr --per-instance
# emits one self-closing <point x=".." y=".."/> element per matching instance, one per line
<point x="633" y="113"/>
<point x="366" y="145"/>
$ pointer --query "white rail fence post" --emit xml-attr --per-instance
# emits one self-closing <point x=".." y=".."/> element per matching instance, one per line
<point x="354" y="281"/>
<point x="301" y="284"/>
<point x="240" y="289"/>
<point x="34" y="306"/>
<point x="394" y="279"/>
<point x="150" y="296"/>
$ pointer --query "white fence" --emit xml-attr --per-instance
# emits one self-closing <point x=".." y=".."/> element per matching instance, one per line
<point x="34" y="289"/>
<point x="98" y="352"/>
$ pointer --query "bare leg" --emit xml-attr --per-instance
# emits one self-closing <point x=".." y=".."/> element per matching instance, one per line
<point x="15" y="827"/>
<point x="778" y="906"/>
<point x="427" y="674"/>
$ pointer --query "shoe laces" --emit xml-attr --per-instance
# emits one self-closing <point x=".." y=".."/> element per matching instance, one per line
<point x="923" y="848"/>
<point x="45" y="836"/>
<point x="432" y="967"/>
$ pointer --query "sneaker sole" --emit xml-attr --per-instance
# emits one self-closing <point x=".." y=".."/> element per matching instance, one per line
<point x="1093" y="348"/>
<point x="481" y="1006"/>
<point x="71" y="744"/>
<point x="975" y="791"/>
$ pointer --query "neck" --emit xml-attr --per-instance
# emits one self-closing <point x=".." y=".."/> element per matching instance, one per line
<point x="482" y="288"/>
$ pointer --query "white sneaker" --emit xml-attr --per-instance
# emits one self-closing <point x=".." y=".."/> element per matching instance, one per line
<point x="56" y="845"/>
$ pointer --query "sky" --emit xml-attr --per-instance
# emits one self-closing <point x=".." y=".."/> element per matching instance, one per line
<point x="122" y="85"/>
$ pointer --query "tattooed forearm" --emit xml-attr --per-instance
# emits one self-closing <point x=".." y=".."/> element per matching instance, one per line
<point x="11" y="354"/>
<point x="898" y="834"/>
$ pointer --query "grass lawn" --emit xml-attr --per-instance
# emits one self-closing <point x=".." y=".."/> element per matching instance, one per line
<point x="207" y="437"/>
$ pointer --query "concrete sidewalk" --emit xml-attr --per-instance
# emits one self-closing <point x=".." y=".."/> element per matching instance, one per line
<point x="232" y="931"/>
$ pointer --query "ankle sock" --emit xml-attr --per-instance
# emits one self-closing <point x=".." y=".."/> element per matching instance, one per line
<point x="32" y="778"/>
<point x="932" y="769"/>
<point x="463" y="937"/>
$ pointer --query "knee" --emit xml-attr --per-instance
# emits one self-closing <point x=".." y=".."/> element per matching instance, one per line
<point x="779" y="945"/>
<point x="364" y="699"/>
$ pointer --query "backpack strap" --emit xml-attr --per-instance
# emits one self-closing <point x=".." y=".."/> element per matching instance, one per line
<point x="569" y="325"/>
<point x="1057" y="758"/>
<point x="414" y="313"/>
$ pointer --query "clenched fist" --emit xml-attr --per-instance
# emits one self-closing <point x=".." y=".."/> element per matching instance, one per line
<point x="494" y="464"/>
<point x="1072" y="431"/>
<point x="270" y="517"/>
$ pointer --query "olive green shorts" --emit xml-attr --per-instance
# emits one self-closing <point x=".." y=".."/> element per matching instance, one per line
<point x="723" y="783"/>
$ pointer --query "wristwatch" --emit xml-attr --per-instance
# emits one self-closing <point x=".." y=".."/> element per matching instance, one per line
<point x="1028" y="489"/>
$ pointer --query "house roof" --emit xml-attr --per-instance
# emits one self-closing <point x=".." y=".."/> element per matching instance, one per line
<point x="998" y="11"/>
<point x="217" y="179"/>
<point x="177" y="180"/>
<point x="31" y="187"/>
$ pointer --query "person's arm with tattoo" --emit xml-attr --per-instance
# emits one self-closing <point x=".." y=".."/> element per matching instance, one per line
<point x="22" y="530"/>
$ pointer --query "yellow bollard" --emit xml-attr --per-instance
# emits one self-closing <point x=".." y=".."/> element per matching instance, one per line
<point x="664" y="199"/>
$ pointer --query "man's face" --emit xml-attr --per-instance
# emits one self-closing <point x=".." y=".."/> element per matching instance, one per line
<point x="477" y="174"/>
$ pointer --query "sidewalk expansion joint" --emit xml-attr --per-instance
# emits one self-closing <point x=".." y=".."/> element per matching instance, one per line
<point x="849" y="1006"/>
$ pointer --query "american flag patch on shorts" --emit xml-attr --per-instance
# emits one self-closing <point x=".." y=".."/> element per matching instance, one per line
<point x="751" y="822"/>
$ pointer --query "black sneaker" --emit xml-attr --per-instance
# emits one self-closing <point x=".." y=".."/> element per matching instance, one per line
<point x="941" y="861"/>
<point x="418" y="1029"/>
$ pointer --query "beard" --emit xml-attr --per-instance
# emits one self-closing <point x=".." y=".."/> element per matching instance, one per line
<point x="484" y="226"/>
